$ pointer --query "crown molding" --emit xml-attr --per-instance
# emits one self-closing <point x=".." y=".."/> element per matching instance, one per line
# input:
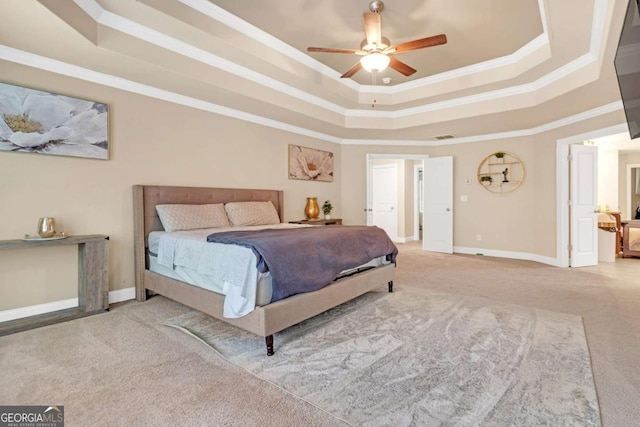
<point x="232" y="21"/>
<point x="47" y="64"/>
<point x="539" y="42"/>
<point x="134" y="29"/>
<point x="576" y="118"/>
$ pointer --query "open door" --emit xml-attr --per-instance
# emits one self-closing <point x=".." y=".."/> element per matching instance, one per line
<point x="437" y="222"/>
<point x="583" y="209"/>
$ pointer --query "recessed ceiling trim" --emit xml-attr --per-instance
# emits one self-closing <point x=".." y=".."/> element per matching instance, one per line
<point x="541" y="41"/>
<point x="91" y="8"/>
<point x="235" y="23"/>
<point x="576" y="118"/>
<point x="149" y="35"/>
<point x="51" y="65"/>
<point x="164" y="41"/>
<point x="598" y="24"/>
<point x="555" y="76"/>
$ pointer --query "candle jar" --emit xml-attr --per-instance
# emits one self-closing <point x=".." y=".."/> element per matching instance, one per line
<point x="47" y="227"/>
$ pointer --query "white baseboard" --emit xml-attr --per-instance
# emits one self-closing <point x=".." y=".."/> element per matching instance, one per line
<point x="507" y="254"/>
<point x="122" y="295"/>
<point x="33" y="310"/>
<point x="405" y="239"/>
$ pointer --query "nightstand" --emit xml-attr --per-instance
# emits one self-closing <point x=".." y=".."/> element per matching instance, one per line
<point x="332" y="221"/>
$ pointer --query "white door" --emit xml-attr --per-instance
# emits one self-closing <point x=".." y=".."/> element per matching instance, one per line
<point x="384" y="198"/>
<point x="437" y="222"/>
<point x="583" y="209"/>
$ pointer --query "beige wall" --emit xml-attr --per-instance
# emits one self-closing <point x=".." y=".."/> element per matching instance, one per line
<point x="151" y="142"/>
<point x="155" y="142"/>
<point x="523" y="221"/>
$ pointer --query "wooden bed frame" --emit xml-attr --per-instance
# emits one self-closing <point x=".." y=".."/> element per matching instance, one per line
<point x="263" y="321"/>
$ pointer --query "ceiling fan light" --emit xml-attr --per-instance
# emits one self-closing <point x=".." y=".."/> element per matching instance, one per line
<point x="375" y="62"/>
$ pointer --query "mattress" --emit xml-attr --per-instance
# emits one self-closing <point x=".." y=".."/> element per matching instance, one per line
<point x="229" y="270"/>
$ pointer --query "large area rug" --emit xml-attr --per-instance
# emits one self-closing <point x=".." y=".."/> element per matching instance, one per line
<point x="424" y="359"/>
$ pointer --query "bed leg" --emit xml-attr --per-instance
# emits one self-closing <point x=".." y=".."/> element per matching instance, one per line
<point x="269" y="341"/>
<point x="391" y="286"/>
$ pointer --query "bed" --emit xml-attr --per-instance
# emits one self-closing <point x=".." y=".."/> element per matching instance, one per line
<point x="265" y="320"/>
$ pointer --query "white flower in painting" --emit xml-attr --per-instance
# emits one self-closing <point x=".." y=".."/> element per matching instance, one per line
<point x="39" y="121"/>
<point x="307" y="163"/>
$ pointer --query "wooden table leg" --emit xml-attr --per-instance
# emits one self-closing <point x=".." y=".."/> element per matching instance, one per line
<point x="93" y="277"/>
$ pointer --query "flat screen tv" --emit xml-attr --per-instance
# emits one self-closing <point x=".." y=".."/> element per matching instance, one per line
<point x="627" y="65"/>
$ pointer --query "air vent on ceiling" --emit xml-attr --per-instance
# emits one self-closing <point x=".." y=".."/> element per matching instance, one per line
<point x="444" y="137"/>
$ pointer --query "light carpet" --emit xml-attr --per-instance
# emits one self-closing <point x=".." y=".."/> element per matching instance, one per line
<point x="421" y="358"/>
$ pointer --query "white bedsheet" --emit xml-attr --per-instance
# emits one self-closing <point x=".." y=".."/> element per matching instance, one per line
<point x="190" y="249"/>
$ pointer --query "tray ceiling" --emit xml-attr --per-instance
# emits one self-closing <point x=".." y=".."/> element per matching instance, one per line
<point x="248" y="60"/>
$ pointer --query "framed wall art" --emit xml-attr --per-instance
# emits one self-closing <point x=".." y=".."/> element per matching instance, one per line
<point x="310" y="164"/>
<point x="34" y="121"/>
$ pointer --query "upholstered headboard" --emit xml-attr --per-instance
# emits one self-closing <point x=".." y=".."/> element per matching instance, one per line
<point x="153" y="195"/>
<point x="146" y="220"/>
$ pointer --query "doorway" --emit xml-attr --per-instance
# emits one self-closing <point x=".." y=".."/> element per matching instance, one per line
<point x="437" y="195"/>
<point x="406" y="210"/>
<point x="563" y="187"/>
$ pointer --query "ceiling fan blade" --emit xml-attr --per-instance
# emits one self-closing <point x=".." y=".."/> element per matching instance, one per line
<point x="372" y="28"/>
<point x="332" y="50"/>
<point x="352" y="71"/>
<point x="417" y="44"/>
<point x="401" y="67"/>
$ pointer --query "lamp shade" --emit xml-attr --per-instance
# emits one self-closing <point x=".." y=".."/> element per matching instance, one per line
<point x="374" y="62"/>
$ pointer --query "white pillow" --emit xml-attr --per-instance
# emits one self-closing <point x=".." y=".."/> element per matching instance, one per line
<point x="189" y="217"/>
<point x="252" y="213"/>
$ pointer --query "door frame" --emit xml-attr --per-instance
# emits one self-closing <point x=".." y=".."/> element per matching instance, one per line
<point x="416" y="199"/>
<point x="377" y="156"/>
<point x="630" y="185"/>
<point x="562" y="186"/>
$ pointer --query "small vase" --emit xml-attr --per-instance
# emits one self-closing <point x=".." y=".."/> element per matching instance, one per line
<point x="47" y="227"/>
<point x="311" y="210"/>
<point x="327" y="216"/>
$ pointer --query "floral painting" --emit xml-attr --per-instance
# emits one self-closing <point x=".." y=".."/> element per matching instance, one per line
<point x="310" y="164"/>
<point x="40" y="122"/>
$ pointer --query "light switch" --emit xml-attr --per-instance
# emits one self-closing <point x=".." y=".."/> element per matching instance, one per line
<point x="464" y="198"/>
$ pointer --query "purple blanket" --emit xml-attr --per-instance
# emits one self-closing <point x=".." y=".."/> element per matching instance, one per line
<point x="307" y="259"/>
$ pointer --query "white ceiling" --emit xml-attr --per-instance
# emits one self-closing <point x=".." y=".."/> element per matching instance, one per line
<point x="509" y="67"/>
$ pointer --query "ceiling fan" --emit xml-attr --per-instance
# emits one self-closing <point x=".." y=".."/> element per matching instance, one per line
<point x="376" y="50"/>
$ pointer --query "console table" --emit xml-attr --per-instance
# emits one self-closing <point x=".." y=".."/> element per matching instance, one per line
<point x="93" y="281"/>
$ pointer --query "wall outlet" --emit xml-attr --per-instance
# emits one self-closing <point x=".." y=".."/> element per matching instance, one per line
<point x="464" y="198"/>
<point x="478" y="236"/>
